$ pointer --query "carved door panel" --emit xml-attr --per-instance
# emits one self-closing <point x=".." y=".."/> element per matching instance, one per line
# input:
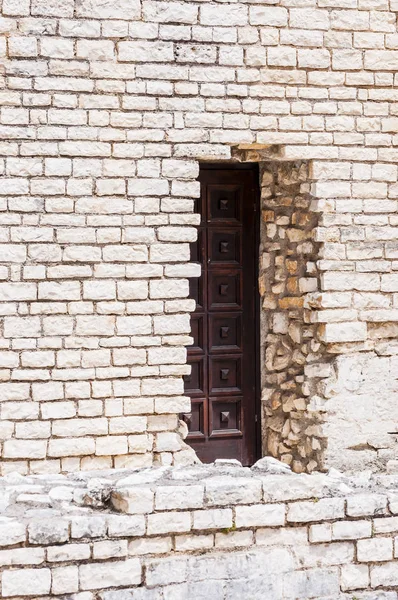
<point x="223" y="381"/>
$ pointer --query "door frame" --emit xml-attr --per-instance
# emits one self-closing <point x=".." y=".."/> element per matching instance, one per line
<point x="255" y="168"/>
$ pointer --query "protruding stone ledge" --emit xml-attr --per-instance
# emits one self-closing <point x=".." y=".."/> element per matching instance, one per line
<point x="169" y="533"/>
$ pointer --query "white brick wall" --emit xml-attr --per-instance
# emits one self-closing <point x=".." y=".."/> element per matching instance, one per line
<point x="105" y="109"/>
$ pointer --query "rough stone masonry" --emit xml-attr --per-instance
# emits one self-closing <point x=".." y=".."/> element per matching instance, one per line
<point x="221" y="532"/>
<point x="107" y="107"/>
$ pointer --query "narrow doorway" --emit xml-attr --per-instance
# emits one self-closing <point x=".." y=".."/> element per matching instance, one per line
<point x="224" y="381"/>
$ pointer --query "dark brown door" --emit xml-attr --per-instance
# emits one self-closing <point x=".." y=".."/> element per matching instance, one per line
<point x="223" y="381"/>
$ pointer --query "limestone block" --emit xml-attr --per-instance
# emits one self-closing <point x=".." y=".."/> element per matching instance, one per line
<point x="88" y="526"/>
<point x="133" y="500"/>
<point x="260" y="515"/>
<point x="351" y="530"/>
<point x="234" y="539"/>
<point x="233" y="15"/>
<point x="166" y="571"/>
<point x="301" y="18"/>
<point x="375" y="550"/>
<point x="73" y="552"/>
<point x="344" y="332"/>
<point x="212" y="518"/>
<point x="320" y="533"/>
<point x="172" y="12"/>
<point x="153" y="545"/>
<point x="179" y="497"/>
<point x="324" y="509"/>
<point x="96" y="576"/>
<point x="119" y="525"/>
<point x="362" y="505"/>
<point x="48" y="531"/>
<point x="65" y="580"/>
<point x="354" y="577"/>
<point x="109" y="549"/>
<point x="385" y="574"/>
<point x="185" y="543"/>
<point x="27" y="582"/>
<point x="222" y="491"/>
<point x="316" y="583"/>
<point x="24" y="449"/>
<point x="11" y="532"/>
<point x="104" y="9"/>
<point x="141" y="52"/>
<point x="374" y="58"/>
<point x="22" y="556"/>
<point x="175" y="522"/>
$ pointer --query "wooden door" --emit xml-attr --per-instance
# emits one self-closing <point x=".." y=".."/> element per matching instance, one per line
<point x="223" y="382"/>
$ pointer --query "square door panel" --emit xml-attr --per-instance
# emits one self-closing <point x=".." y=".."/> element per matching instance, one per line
<point x="195" y="383"/>
<point x="195" y="419"/>
<point x="225" y="332"/>
<point x="224" y="246"/>
<point x="225" y="416"/>
<point x="225" y="374"/>
<point x="224" y="291"/>
<point x="198" y="332"/>
<point x="224" y="203"/>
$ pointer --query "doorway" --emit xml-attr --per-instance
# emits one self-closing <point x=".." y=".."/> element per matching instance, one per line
<point x="224" y="358"/>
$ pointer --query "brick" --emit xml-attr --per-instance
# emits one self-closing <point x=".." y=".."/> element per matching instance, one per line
<point x="260" y="515"/>
<point x="374" y="550"/>
<point x="104" y="9"/>
<point x="351" y="530"/>
<point x="385" y="574"/>
<point x="96" y="576"/>
<point x="65" y="580"/>
<point x="179" y="497"/>
<point x="11" y="532"/>
<point x="212" y="518"/>
<point x="169" y="522"/>
<point x="324" y="509"/>
<point x="27" y="582"/>
<point x="354" y="577"/>
<point x="365" y="505"/>
<point x="240" y="491"/>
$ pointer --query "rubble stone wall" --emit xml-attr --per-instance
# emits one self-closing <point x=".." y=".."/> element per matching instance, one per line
<point x="219" y="532"/>
<point x="293" y="360"/>
<point x="107" y="107"/>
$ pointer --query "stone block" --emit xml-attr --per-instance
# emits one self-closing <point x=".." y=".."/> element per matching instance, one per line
<point x="48" y="531"/>
<point x="11" y="532"/>
<point x="169" y="522"/>
<point x="361" y="505"/>
<point x="133" y="500"/>
<point x="354" y="577"/>
<point x="323" y="509"/>
<point x="104" y="9"/>
<point x="260" y="515"/>
<point x="26" y="582"/>
<point x="65" y="580"/>
<point x="96" y="576"/>
<point x="224" y="491"/>
<point x="121" y="525"/>
<point x="166" y="571"/>
<point x="351" y="530"/>
<point x="212" y="518"/>
<point x="375" y="550"/>
<point x="179" y="497"/>
<point x="384" y="575"/>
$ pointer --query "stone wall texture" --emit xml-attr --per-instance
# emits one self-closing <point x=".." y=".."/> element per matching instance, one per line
<point x="219" y="532"/>
<point x="107" y="108"/>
